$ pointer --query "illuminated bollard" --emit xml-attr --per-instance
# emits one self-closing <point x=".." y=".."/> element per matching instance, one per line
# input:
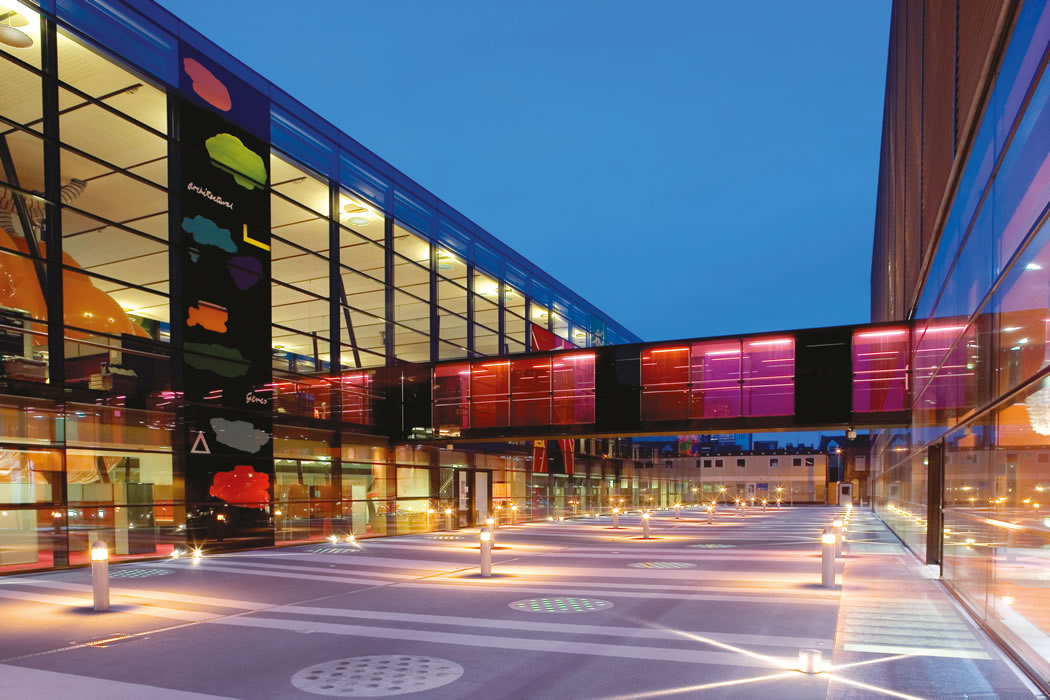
<point x="100" y="575"/>
<point x="499" y="515"/>
<point x="809" y="660"/>
<point x="490" y="523"/>
<point x="763" y="505"/>
<point x="645" y="525"/>
<point x="430" y="512"/>
<point x="448" y="518"/>
<point x="778" y="503"/>
<point x="486" y="552"/>
<point x="837" y="525"/>
<point x="616" y="518"/>
<point x="710" y="515"/>
<point x="743" y="510"/>
<point x="514" y="515"/>
<point x="677" y="510"/>
<point x="827" y="559"/>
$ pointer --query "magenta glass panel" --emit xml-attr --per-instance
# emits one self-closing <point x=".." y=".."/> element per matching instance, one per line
<point x="880" y="369"/>
<point x="451" y="396"/>
<point x="930" y="345"/>
<point x="768" y="368"/>
<point x="530" y="391"/>
<point x="715" y="374"/>
<point x="490" y="394"/>
<point x="573" y="382"/>
<point x="665" y="383"/>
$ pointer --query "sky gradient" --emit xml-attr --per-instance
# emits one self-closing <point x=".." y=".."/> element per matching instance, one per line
<point x="692" y="168"/>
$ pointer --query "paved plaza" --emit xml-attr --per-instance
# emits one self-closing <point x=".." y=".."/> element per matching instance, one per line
<point x="574" y="609"/>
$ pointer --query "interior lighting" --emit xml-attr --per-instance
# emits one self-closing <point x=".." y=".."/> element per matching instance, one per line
<point x="1033" y="266"/>
<point x="358" y="220"/>
<point x="99" y="551"/>
<point x="9" y="32"/>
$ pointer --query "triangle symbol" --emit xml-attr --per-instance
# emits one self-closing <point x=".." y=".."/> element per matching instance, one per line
<point x="200" y="445"/>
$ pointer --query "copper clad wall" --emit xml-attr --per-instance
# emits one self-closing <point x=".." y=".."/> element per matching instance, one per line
<point x="939" y="52"/>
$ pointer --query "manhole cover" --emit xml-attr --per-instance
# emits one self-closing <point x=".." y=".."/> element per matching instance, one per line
<point x="137" y="573"/>
<point x="561" y="605"/>
<point x="444" y="537"/>
<point x="661" y="565"/>
<point x="331" y="550"/>
<point x="377" y="676"/>
<point x="712" y="546"/>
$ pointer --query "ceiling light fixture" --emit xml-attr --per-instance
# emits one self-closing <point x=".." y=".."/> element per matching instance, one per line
<point x="1033" y="266"/>
<point x="9" y="19"/>
<point x="359" y="220"/>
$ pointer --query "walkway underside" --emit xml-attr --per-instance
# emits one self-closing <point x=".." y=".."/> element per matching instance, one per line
<point x="574" y="609"/>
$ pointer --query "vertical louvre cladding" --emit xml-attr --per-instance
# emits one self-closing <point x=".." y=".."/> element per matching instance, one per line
<point x="913" y="78"/>
<point x="937" y="52"/>
<point x="938" y="65"/>
<point x="977" y="23"/>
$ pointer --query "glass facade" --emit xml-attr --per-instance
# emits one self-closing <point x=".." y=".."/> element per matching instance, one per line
<point x="964" y="485"/>
<point x="152" y="274"/>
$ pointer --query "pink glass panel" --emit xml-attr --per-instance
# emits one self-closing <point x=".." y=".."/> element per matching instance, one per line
<point x="530" y="391"/>
<point x="573" y="383"/>
<point x="768" y="367"/>
<point x="356" y="388"/>
<point x="665" y="383"/>
<point x="451" y="396"/>
<point x="880" y="369"/>
<point x="715" y="373"/>
<point x="490" y="394"/>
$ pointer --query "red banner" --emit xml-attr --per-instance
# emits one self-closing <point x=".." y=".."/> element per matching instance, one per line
<point x="539" y="456"/>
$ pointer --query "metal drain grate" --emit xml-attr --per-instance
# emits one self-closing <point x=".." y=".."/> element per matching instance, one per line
<point x="661" y="565"/>
<point x="331" y="550"/>
<point x="377" y="676"/>
<point x="712" y="546"/>
<point x="137" y="573"/>
<point x="561" y="605"/>
<point x="444" y="537"/>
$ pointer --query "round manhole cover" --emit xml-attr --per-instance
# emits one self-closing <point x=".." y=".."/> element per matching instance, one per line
<point x="561" y="605"/>
<point x="331" y="550"/>
<point x="377" y="676"/>
<point x="137" y="573"/>
<point x="444" y="537"/>
<point x="661" y="565"/>
<point x="712" y="546"/>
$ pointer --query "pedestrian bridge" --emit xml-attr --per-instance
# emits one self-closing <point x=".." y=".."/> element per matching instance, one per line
<point x="811" y="379"/>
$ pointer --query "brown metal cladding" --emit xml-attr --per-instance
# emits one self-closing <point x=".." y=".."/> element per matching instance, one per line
<point x="977" y="25"/>
<point x="938" y="105"/>
<point x="912" y="146"/>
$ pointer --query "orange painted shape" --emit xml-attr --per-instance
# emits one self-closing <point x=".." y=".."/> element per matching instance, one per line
<point x="207" y="315"/>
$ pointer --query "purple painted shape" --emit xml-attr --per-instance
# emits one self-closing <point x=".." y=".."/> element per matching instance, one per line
<point x="246" y="271"/>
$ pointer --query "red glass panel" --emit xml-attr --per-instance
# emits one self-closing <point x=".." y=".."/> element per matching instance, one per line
<point x="573" y="384"/>
<point x="451" y="396"/>
<point x="530" y="391"/>
<point x="490" y="394"/>
<point x="880" y="369"/>
<point x="665" y="383"/>
<point x="715" y="372"/>
<point x="357" y="392"/>
<point x="768" y="367"/>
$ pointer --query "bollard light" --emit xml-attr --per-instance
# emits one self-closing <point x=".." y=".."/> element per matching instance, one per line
<point x="763" y="505"/>
<point x="616" y="518"/>
<point x="100" y="576"/>
<point x="837" y="524"/>
<point x="827" y="559"/>
<point x="710" y="514"/>
<point x="485" y="537"/>
<point x="448" y="518"/>
<point x="514" y="514"/>
<point x="333" y="538"/>
<point x="809" y="660"/>
<point x="490" y="523"/>
<point x="645" y="525"/>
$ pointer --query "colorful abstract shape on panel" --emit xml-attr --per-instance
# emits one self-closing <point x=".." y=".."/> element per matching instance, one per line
<point x="208" y="316"/>
<point x="223" y="361"/>
<point x="246" y="271"/>
<point x="229" y="154"/>
<point x="207" y="232"/>
<point x="239" y="434"/>
<point x="207" y="86"/>
<point x="19" y="286"/>
<point x="242" y="486"/>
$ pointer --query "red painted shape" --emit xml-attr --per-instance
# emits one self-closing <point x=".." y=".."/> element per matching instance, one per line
<point x="242" y="486"/>
<point x="207" y="86"/>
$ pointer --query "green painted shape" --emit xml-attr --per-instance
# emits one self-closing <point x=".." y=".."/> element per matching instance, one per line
<point x="223" y="361"/>
<point x="230" y="155"/>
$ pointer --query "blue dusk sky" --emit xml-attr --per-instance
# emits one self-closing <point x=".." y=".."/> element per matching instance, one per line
<point x="692" y="167"/>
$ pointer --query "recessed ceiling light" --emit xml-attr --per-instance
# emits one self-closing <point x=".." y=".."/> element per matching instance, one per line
<point x="1033" y="266"/>
<point x="359" y="220"/>
<point x="9" y="19"/>
<point x="352" y="207"/>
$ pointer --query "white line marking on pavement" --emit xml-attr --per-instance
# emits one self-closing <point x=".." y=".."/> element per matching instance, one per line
<point x="20" y="682"/>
